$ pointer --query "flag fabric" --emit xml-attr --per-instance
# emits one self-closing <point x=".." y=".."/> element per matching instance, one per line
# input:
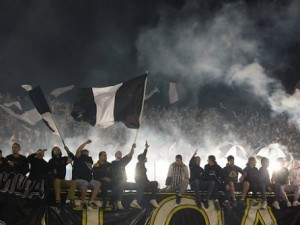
<point x="103" y="106"/>
<point x="40" y="103"/>
<point x="31" y="116"/>
<point x="155" y="90"/>
<point x="16" y="104"/>
<point x="173" y="94"/>
<point x="59" y="91"/>
<point x="27" y="87"/>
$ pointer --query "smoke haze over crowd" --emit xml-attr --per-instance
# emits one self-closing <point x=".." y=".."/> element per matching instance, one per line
<point x="238" y="53"/>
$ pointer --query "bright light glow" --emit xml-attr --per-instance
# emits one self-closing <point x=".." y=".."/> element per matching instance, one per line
<point x="274" y="166"/>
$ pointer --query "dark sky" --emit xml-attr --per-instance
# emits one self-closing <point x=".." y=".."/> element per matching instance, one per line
<point x="93" y="43"/>
<point x="54" y="42"/>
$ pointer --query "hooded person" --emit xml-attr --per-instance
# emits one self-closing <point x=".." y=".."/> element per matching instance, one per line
<point x="213" y="172"/>
<point x="142" y="182"/>
<point x="83" y="174"/>
<point x="58" y="170"/>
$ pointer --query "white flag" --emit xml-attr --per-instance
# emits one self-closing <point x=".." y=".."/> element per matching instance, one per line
<point x="58" y="91"/>
<point x="16" y="103"/>
<point x="27" y="87"/>
<point x="155" y="90"/>
<point x="173" y="95"/>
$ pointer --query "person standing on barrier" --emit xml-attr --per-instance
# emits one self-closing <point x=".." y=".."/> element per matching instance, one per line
<point x="142" y="182"/>
<point x="82" y="173"/>
<point x="178" y="178"/>
<point x="198" y="183"/>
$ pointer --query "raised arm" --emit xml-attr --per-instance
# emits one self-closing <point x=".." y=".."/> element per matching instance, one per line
<point x="31" y="157"/>
<point x="81" y="147"/>
<point x="127" y="158"/>
<point x="132" y="150"/>
<point x="192" y="161"/>
<point x="71" y="156"/>
<point x="146" y="149"/>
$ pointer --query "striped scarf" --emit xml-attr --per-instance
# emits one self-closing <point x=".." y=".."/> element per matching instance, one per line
<point x="177" y="174"/>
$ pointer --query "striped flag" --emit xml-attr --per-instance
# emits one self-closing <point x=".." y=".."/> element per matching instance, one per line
<point x="103" y="106"/>
<point x="40" y="103"/>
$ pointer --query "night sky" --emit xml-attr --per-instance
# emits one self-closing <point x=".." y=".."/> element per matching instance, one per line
<point x="54" y="43"/>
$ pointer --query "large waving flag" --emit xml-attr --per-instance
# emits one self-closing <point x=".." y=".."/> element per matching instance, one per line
<point x="40" y="103"/>
<point x="103" y="106"/>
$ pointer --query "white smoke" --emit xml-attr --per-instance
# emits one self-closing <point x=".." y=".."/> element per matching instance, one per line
<point x="227" y="48"/>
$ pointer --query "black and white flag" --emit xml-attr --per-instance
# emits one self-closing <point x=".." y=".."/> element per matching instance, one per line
<point x="103" y="106"/>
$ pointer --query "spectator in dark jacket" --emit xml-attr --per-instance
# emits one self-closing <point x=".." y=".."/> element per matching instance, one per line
<point x="17" y="163"/>
<point x="198" y="183"/>
<point x="213" y="172"/>
<point x="119" y="176"/>
<point x="142" y="182"/>
<point x="39" y="168"/>
<point x="103" y="173"/>
<point x="250" y="181"/>
<point x="231" y="172"/>
<point x="264" y="181"/>
<point x="58" y="165"/>
<point x="82" y="173"/>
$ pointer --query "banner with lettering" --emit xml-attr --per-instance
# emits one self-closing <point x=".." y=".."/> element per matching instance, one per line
<point x="25" y="202"/>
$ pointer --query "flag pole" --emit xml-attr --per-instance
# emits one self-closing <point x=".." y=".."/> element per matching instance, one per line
<point x="56" y="125"/>
<point x="142" y="109"/>
<point x="59" y="133"/>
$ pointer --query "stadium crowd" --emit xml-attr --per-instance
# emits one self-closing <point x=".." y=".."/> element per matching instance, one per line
<point x="255" y="129"/>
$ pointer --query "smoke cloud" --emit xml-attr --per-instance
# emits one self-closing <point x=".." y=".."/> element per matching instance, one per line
<point x="237" y="45"/>
<point x="250" y="47"/>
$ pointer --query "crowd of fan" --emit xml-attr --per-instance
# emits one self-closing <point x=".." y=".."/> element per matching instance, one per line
<point x="253" y="129"/>
<point x="103" y="176"/>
